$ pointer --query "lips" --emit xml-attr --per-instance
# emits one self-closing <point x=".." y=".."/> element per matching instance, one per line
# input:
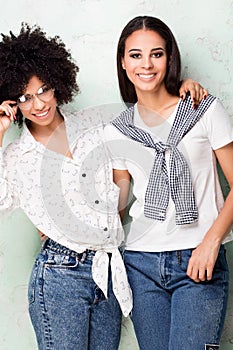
<point x="146" y="76"/>
<point x="42" y="115"/>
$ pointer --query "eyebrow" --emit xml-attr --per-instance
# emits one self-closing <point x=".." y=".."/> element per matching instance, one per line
<point x="154" y="49"/>
<point x="26" y="94"/>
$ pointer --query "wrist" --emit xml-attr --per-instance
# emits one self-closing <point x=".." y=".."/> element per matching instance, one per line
<point x="213" y="239"/>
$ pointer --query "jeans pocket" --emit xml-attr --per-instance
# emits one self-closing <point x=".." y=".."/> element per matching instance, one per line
<point x="60" y="261"/>
<point x="32" y="283"/>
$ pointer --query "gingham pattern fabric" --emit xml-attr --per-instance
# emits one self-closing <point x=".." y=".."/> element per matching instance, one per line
<point x="160" y="184"/>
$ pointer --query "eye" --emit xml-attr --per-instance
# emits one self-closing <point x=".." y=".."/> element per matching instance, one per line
<point x="157" y="54"/>
<point x="43" y="90"/>
<point x="135" y="55"/>
<point x="40" y="91"/>
<point x="24" y="98"/>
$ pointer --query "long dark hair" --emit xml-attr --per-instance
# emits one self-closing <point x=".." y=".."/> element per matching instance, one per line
<point x="172" y="78"/>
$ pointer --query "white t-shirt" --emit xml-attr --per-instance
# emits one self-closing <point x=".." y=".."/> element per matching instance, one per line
<point x="212" y="131"/>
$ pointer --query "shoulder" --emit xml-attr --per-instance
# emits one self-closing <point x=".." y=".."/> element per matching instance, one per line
<point x="113" y="130"/>
<point x="13" y="147"/>
<point x="215" y="110"/>
<point x="11" y="153"/>
<point x="125" y="116"/>
<point x="112" y="133"/>
<point x="217" y="104"/>
<point x="218" y="124"/>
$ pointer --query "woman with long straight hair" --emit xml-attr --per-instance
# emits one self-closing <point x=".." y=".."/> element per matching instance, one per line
<point x="174" y="252"/>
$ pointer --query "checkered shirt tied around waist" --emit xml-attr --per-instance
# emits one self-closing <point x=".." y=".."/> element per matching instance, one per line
<point x="160" y="184"/>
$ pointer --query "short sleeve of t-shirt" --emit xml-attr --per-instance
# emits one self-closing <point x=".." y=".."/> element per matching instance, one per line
<point x="218" y="124"/>
<point x="114" y="140"/>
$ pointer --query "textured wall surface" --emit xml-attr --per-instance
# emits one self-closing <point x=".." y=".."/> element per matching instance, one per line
<point x="90" y="29"/>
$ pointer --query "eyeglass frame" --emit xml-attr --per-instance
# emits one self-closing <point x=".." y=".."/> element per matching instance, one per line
<point x="31" y="97"/>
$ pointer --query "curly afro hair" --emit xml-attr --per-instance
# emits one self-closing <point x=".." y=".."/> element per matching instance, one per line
<point x="30" y="54"/>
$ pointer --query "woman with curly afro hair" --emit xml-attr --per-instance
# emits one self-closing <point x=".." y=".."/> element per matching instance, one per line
<point x="59" y="173"/>
<point x="72" y="302"/>
<point x="32" y="54"/>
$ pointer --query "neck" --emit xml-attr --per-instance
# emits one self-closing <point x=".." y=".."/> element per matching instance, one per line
<point x="53" y="136"/>
<point x="154" y="100"/>
<point x="157" y="106"/>
<point x="41" y="131"/>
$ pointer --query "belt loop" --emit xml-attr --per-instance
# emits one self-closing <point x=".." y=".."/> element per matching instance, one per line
<point x="44" y="243"/>
<point x="178" y="254"/>
<point x="84" y="254"/>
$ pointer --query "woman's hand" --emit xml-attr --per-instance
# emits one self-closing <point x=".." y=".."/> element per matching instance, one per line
<point x="197" y="92"/>
<point x="8" y="111"/>
<point x="202" y="261"/>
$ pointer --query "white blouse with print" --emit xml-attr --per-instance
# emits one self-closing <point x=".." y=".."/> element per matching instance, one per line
<point x="72" y="201"/>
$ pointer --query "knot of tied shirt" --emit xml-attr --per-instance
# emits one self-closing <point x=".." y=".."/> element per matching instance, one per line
<point x="175" y="183"/>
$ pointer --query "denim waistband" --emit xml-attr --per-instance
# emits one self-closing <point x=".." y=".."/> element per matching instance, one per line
<point x="61" y="249"/>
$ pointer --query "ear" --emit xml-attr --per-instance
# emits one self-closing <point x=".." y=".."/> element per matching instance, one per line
<point x="123" y="63"/>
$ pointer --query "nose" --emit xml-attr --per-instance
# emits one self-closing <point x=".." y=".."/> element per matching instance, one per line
<point x="37" y="103"/>
<point x="147" y="62"/>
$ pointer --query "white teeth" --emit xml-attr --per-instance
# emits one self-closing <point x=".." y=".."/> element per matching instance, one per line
<point x="146" y="76"/>
<point x="42" y="114"/>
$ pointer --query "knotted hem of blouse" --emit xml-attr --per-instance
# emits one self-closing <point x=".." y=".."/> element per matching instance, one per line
<point x="121" y="287"/>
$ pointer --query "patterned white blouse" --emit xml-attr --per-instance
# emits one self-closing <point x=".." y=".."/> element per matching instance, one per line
<point x="72" y="201"/>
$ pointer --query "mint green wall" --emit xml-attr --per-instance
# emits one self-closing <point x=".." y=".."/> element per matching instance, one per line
<point x="90" y="28"/>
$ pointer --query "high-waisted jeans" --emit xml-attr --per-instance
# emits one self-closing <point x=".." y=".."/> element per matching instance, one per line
<point x="171" y="311"/>
<point x="67" y="309"/>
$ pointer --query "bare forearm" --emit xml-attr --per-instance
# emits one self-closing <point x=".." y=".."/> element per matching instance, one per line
<point x="223" y="222"/>
<point x="122" y="180"/>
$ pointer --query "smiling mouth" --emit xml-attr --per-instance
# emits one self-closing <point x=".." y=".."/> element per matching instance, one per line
<point x="146" y="76"/>
<point x="41" y="115"/>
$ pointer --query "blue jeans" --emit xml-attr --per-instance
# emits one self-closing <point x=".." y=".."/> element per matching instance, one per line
<point x="67" y="309"/>
<point x="171" y="311"/>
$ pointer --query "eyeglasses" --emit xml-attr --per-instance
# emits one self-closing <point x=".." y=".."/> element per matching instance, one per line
<point x="45" y="93"/>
